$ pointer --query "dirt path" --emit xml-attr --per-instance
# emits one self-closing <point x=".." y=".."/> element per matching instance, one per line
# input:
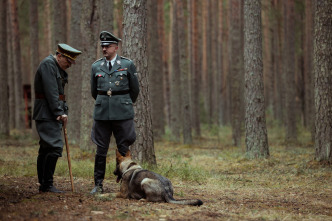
<point x="20" y="200"/>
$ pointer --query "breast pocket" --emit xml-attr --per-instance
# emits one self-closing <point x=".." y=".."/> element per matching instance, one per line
<point x="101" y="80"/>
<point x="121" y="80"/>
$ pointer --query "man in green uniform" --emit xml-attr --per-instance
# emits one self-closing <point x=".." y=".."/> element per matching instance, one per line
<point x="115" y="87"/>
<point x="50" y="111"/>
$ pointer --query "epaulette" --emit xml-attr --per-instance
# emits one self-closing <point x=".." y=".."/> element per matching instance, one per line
<point x="98" y="60"/>
<point x="125" y="58"/>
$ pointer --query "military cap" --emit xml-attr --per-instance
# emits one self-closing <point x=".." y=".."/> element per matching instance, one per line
<point x="68" y="52"/>
<point x="107" y="38"/>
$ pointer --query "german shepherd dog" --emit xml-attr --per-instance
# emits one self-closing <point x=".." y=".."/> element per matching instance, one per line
<point x="137" y="183"/>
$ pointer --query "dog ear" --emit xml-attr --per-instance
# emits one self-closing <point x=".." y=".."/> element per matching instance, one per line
<point x="128" y="154"/>
<point x="118" y="154"/>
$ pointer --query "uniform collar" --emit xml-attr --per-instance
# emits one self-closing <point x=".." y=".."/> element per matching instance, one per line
<point x="116" y="64"/>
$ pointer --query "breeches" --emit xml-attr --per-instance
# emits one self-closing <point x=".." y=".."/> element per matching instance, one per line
<point x="124" y="134"/>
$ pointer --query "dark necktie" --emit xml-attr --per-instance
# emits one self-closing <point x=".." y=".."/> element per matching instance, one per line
<point x="109" y="66"/>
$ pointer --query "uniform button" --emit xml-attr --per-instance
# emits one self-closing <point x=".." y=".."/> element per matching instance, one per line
<point x="126" y="102"/>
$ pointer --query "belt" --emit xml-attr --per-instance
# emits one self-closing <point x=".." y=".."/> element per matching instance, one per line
<point x="62" y="97"/>
<point x="108" y="93"/>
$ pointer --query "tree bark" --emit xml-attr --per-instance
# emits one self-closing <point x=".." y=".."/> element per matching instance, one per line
<point x="255" y="123"/>
<point x="220" y="66"/>
<point x="235" y="71"/>
<point x="289" y="71"/>
<point x="59" y="22"/>
<point x="106" y="23"/>
<point x="195" y="60"/>
<point x="34" y="53"/>
<point x="323" y="80"/>
<point x="165" y="55"/>
<point x="309" y="120"/>
<point x="16" y="50"/>
<point x="4" y="102"/>
<point x="279" y="87"/>
<point x="74" y="88"/>
<point x="47" y="30"/>
<point x="155" y="72"/>
<point x="134" y="47"/>
<point x="267" y="52"/>
<point x="106" y="13"/>
<point x="175" y="90"/>
<point x="89" y="26"/>
<point x="184" y="75"/>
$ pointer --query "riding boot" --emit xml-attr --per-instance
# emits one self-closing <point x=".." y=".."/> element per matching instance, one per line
<point x="40" y="170"/>
<point x="50" y="164"/>
<point x="99" y="174"/>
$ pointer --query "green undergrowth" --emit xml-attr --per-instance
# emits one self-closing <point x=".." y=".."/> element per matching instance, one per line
<point x="209" y="159"/>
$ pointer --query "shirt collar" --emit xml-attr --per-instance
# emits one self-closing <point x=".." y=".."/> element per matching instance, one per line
<point x="112" y="61"/>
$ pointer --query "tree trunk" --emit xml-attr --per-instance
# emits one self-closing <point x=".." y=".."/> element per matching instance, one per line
<point x="16" y="49"/>
<point x="155" y="72"/>
<point x="4" y="110"/>
<point x="34" y="53"/>
<point x="255" y="124"/>
<point x="210" y="64"/>
<point x="175" y="90"/>
<point x="106" y="13"/>
<point x="10" y="69"/>
<point x="195" y="88"/>
<point x="204" y="60"/>
<point x="220" y="58"/>
<point x="89" y="26"/>
<point x="184" y="75"/>
<point x="118" y="17"/>
<point x="47" y="46"/>
<point x="165" y="55"/>
<point x="267" y="52"/>
<point x="134" y="46"/>
<point x="279" y="87"/>
<point x="289" y="71"/>
<point x="226" y="67"/>
<point x="323" y="80"/>
<point x="106" y="23"/>
<point x="235" y="71"/>
<point x="75" y="89"/>
<point x="213" y="74"/>
<point x="59" y="22"/>
<point x="308" y="69"/>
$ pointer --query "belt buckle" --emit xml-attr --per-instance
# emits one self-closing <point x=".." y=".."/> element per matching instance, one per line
<point x="109" y="92"/>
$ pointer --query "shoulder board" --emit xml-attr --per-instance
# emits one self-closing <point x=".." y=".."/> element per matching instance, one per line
<point x="125" y="58"/>
<point x="98" y="60"/>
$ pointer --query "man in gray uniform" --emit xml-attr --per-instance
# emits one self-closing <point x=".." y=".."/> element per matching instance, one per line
<point x="50" y="111"/>
<point x="115" y="87"/>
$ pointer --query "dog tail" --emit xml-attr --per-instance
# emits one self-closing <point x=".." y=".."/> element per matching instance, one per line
<point x="193" y="202"/>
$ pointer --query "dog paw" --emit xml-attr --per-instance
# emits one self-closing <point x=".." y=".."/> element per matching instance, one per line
<point x="118" y="195"/>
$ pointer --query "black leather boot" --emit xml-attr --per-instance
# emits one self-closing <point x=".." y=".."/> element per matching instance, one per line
<point x="40" y="170"/>
<point x="50" y="164"/>
<point x="99" y="174"/>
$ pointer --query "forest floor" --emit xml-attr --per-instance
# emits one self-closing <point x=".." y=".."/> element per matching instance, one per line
<point x="289" y="185"/>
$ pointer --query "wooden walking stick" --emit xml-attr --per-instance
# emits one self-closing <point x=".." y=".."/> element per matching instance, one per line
<point x="68" y="157"/>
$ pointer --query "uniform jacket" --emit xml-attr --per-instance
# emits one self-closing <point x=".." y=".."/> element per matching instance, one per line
<point x="122" y="77"/>
<point x="50" y="81"/>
